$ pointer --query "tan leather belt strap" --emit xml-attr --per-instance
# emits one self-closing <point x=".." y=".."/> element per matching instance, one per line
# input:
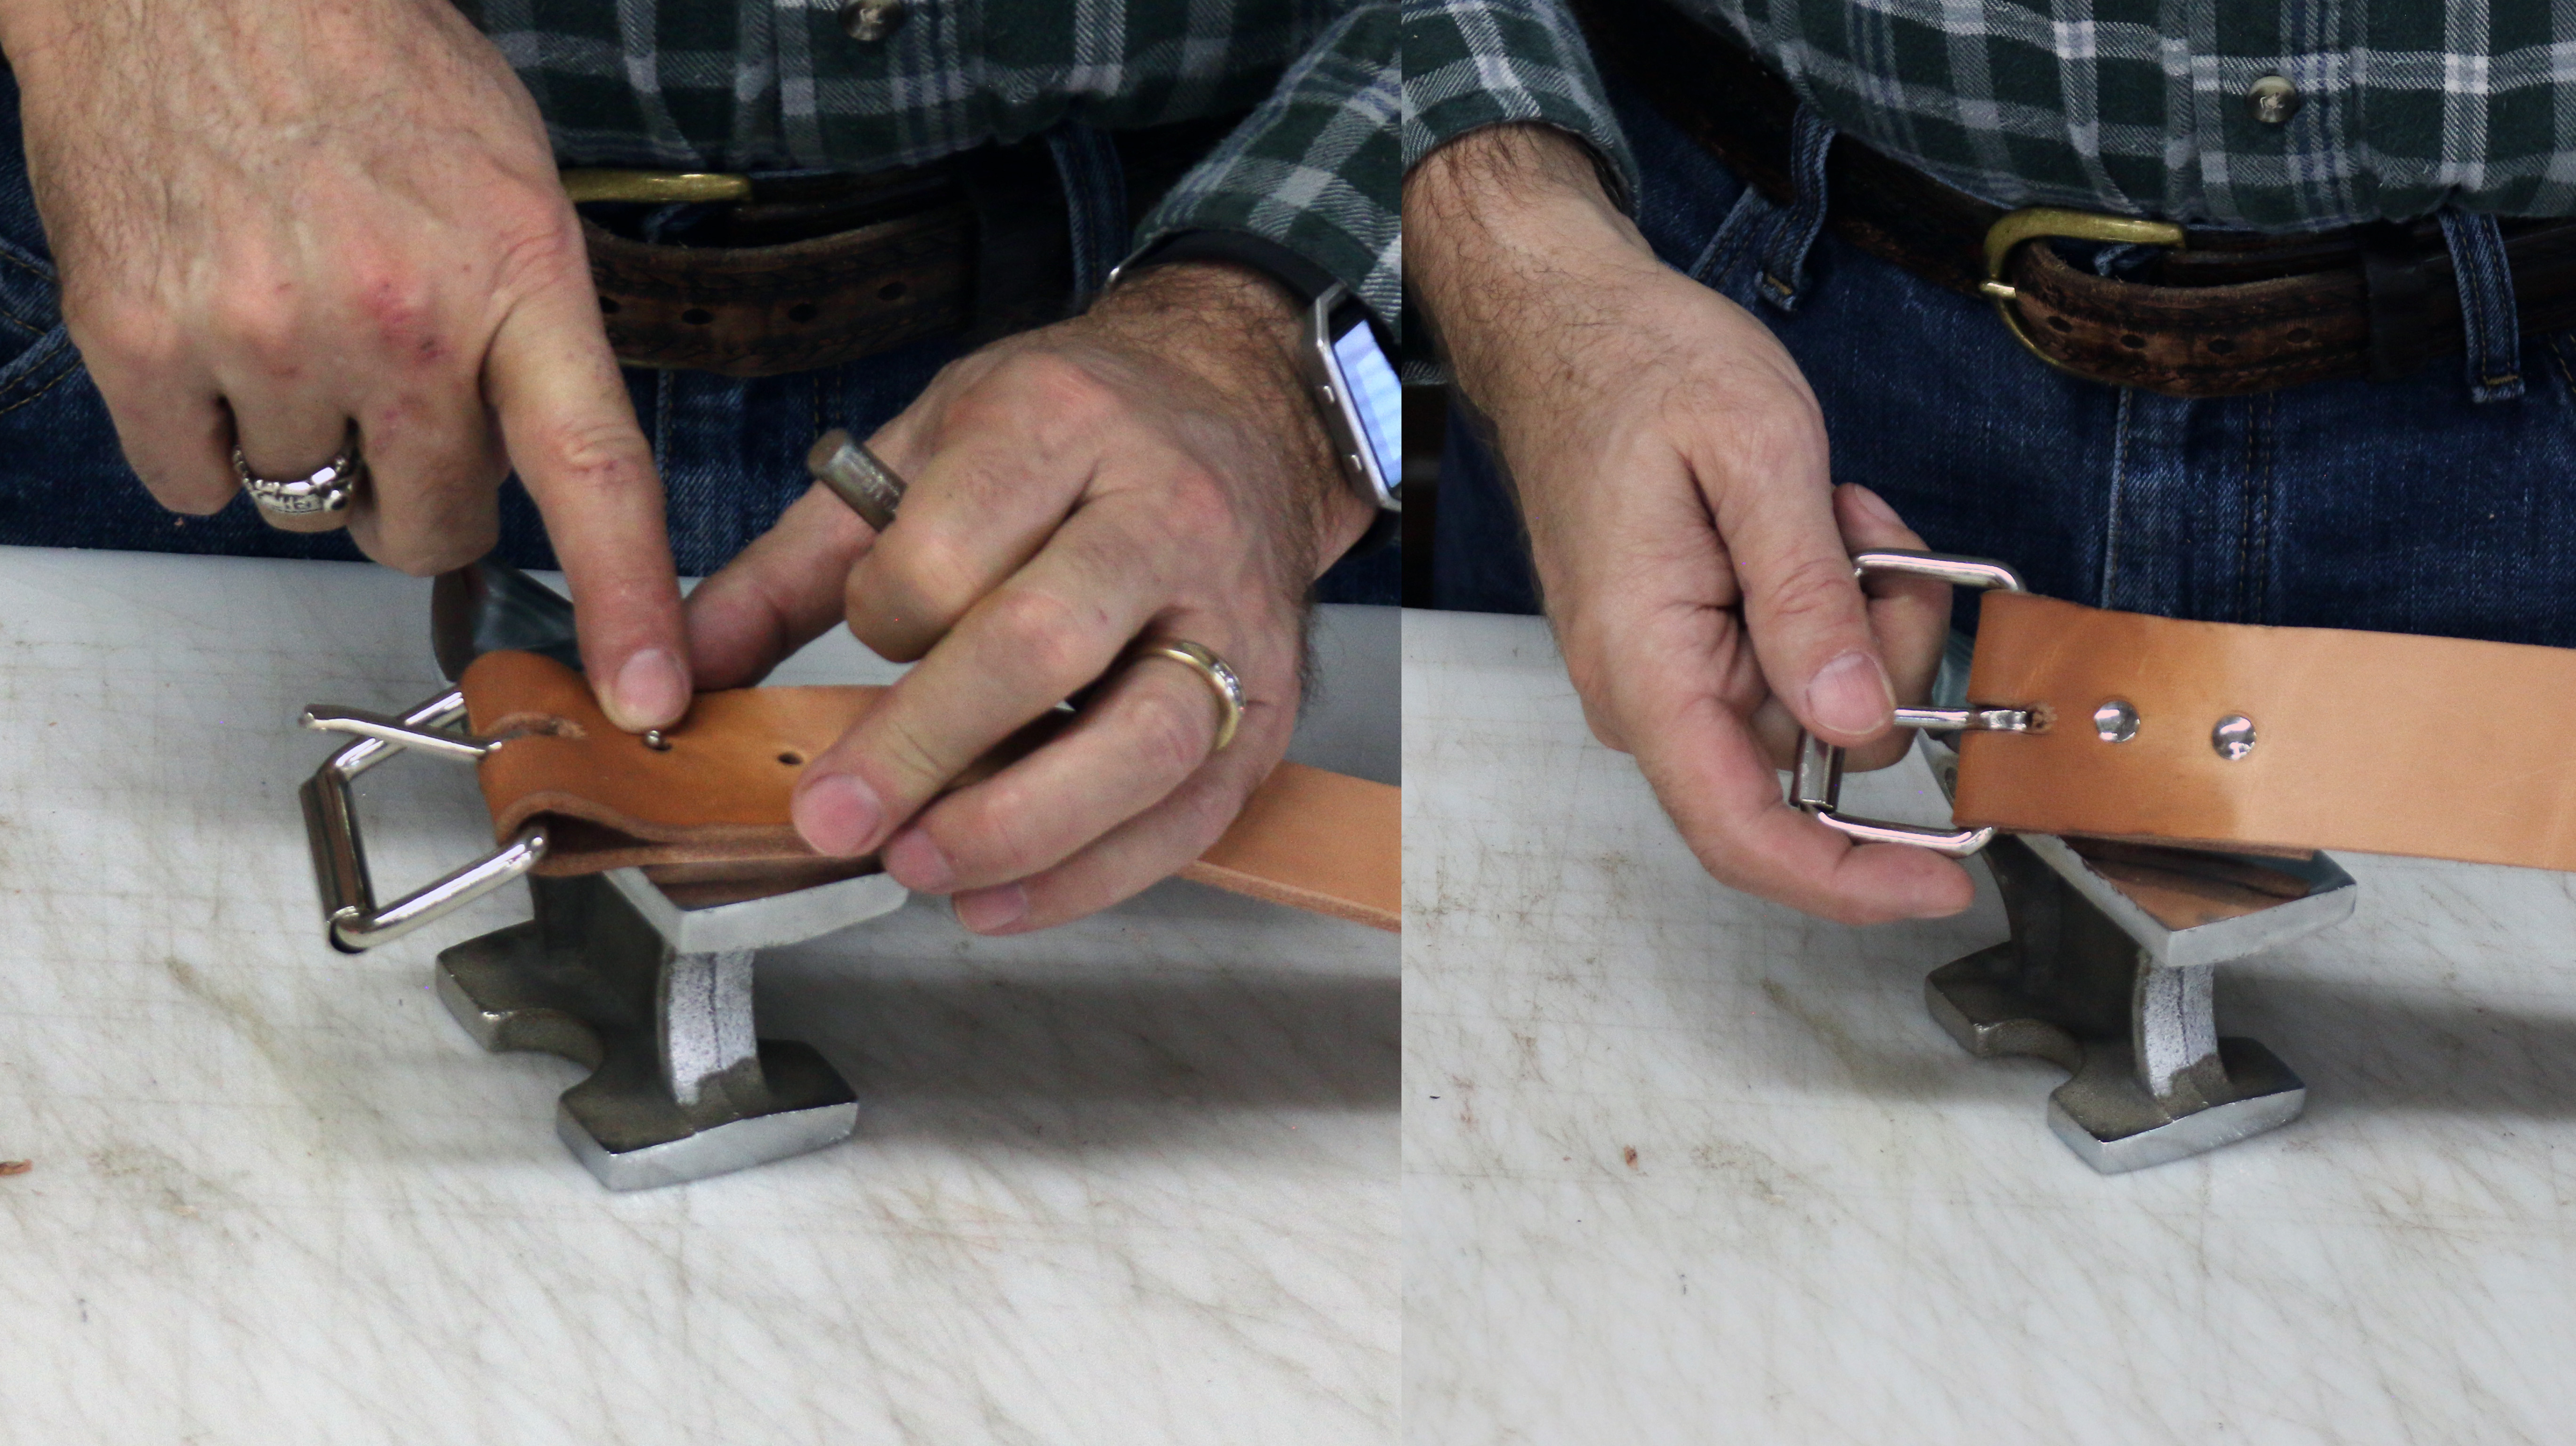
<point x="2373" y="742"/>
<point x="709" y="808"/>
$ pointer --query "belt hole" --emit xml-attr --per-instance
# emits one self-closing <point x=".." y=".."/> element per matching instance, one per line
<point x="2060" y="323"/>
<point x="892" y="291"/>
<point x="801" y="311"/>
<point x="2301" y="336"/>
<point x="608" y="306"/>
<point x="792" y="758"/>
<point x="2221" y="345"/>
<point x="697" y="316"/>
<point x="2133" y="341"/>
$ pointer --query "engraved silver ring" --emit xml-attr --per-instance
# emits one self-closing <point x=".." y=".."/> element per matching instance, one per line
<point x="324" y="493"/>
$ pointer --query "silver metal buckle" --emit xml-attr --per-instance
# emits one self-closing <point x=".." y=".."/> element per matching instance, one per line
<point x="1817" y="785"/>
<point x="352" y="920"/>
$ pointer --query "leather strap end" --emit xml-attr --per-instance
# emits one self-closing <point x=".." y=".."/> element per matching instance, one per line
<point x="2372" y="742"/>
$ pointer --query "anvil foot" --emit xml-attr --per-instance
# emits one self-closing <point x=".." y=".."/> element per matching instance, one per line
<point x="2119" y="992"/>
<point x="679" y="1089"/>
<point x="2104" y="1112"/>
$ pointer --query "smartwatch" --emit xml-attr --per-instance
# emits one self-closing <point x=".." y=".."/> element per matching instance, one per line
<point x="1349" y="367"/>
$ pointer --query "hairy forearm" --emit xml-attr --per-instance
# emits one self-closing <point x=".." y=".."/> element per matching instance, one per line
<point x="1505" y="225"/>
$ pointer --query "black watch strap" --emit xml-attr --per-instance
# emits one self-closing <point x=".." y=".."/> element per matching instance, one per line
<point x="1304" y="279"/>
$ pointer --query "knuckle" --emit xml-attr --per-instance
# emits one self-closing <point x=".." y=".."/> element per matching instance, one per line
<point x="262" y="327"/>
<point x="1000" y="832"/>
<point x="1779" y="439"/>
<point x="1814" y="592"/>
<point x="539" y="247"/>
<point x="598" y="454"/>
<point x="1045" y="634"/>
<point x="918" y="762"/>
<point x="930" y="575"/>
<point x="122" y="335"/>
<point x="1170" y="731"/>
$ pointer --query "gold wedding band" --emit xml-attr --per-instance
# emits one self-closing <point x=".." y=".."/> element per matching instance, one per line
<point x="1220" y="680"/>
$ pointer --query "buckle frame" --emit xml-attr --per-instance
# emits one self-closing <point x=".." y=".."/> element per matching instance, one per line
<point x="583" y="185"/>
<point x="351" y="918"/>
<point x="1815" y="786"/>
<point x="2034" y="223"/>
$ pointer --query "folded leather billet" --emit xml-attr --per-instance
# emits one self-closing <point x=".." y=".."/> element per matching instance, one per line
<point x="706" y="814"/>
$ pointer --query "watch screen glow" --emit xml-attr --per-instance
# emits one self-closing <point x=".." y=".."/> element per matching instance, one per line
<point x="1380" y="398"/>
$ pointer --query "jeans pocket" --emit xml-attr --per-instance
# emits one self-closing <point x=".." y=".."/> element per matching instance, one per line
<point x="36" y="352"/>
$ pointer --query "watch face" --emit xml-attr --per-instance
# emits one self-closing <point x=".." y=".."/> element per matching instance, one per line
<point x="1376" y="396"/>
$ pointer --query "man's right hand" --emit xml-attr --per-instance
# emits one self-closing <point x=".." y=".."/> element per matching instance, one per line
<point x="274" y="218"/>
<point x="1695" y="556"/>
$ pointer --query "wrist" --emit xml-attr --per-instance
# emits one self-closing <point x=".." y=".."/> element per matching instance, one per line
<point x="1236" y="328"/>
<point x="1505" y="228"/>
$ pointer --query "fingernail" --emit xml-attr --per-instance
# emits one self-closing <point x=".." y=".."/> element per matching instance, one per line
<point x="1851" y="695"/>
<point x="1875" y="506"/>
<point x="837" y="814"/>
<point x="651" y="691"/>
<point x="917" y="863"/>
<point x="990" y="911"/>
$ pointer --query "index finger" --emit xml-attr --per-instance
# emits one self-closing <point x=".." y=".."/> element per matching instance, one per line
<point x="570" y="431"/>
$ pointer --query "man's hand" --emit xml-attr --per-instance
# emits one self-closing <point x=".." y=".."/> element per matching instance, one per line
<point x="1149" y="469"/>
<point x="276" y="218"/>
<point x="1694" y="553"/>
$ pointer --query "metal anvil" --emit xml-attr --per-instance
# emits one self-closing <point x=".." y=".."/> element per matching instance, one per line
<point x="655" y="998"/>
<point x="2108" y="973"/>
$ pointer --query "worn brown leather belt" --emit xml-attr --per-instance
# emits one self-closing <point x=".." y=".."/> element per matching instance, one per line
<point x="789" y="273"/>
<point x="2213" y="314"/>
<point x="706" y="814"/>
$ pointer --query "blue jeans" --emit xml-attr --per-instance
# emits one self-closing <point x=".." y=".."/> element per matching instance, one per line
<point x="731" y="450"/>
<point x="2397" y="507"/>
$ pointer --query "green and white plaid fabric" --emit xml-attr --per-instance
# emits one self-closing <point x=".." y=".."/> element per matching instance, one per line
<point x="741" y="85"/>
<point x="2129" y="106"/>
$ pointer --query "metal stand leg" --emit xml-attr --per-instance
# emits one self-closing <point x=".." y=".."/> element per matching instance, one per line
<point x="2108" y="974"/>
<point x="656" y="1002"/>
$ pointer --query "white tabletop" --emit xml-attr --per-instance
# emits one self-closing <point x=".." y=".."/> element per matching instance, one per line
<point x="1836" y="1226"/>
<point x="1131" y="1181"/>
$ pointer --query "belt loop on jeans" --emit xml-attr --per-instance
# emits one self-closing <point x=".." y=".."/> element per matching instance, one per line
<point x="1095" y="202"/>
<point x="1793" y="235"/>
<point x="2488" y="319"/>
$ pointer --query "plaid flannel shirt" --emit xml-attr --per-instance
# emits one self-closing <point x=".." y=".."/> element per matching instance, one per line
<point x="748" y="85"/>
<point x="2137" y="107"/>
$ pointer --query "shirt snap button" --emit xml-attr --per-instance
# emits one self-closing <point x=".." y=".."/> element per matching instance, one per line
<point x="869" y="21"/>
<point x="2274" y="100"/>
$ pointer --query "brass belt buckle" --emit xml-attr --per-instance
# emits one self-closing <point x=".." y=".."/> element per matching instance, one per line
<point x="584" y="185"/>
<point x="1817" y="785"/>
<point x="2037" y="222"/>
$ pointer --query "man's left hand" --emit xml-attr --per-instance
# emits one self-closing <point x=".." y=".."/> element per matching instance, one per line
<point x="1148" y="469"/>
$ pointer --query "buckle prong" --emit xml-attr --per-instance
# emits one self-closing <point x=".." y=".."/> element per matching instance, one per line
<point x="1816" y="785"/>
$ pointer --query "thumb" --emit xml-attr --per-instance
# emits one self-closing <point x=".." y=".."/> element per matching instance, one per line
<point x="1803" y="607"/>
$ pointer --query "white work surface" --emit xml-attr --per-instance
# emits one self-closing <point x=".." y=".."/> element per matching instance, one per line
<point x="1837" y="1226"/>
<point x="1131" y="1181"/>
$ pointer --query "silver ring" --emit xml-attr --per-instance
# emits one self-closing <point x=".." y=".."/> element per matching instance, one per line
<point x="329" y="488"/>
<point x="1221" y="680"/>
